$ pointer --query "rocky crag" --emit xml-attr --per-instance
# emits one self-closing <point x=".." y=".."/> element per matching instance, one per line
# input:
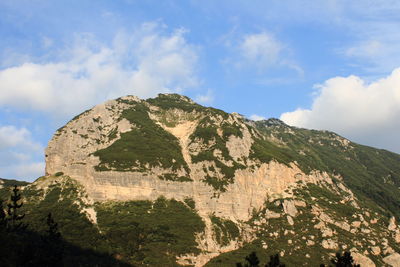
<point x="230" y="185"/>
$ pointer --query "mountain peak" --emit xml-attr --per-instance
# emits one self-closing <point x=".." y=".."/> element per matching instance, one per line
<point x="235" y="175"/>
<point x="175" y="97"/>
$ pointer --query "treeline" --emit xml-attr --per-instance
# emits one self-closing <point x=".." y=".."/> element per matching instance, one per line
<point x="341" y="260"/>
<point x="21" y="246"/>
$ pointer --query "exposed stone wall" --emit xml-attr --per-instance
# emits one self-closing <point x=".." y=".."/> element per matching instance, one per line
<point x="70" y="151"/>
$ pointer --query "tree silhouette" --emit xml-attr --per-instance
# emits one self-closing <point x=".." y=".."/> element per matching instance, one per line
<point x="345" y="260"/>
<point x="252" y="261"/>
<point x="51" y="252"/>
<point x="52" y="230"/>
<point x="2" y="216"/>
<point x="13" y="218"/>
<point x="274" y="261"/>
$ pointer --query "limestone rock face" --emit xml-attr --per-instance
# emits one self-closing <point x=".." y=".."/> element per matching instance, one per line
<point x="393" y="260"/>
<point x="392" y="224"/>
<point x="362" y="260"/>
<point x="289" y="208"/>
<point x="253" y="175"/>
<point x="73" y="148"/>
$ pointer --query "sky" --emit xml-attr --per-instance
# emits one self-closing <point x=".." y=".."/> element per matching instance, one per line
<point x="322" y="64"/>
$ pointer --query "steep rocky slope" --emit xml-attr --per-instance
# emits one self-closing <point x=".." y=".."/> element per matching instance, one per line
<point x="214" y="186"/>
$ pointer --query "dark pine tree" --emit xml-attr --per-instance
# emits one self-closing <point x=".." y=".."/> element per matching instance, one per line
<point x="13" y="218"/>
<point x="2" y="216"/>
<point x="51" y="252"/>
<point x="345" y="260"/>
<point x="252" y="261"/>
<point x="52" y="231"/>
<point x="274" y="261"/>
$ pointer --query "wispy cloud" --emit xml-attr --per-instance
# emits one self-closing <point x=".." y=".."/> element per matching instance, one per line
<point x="256" y="117"/>
<point x="259" y="53"/>
<point x="261" y="49"/>
<point x="19" y="153"/>
<point x="206" y="98"/>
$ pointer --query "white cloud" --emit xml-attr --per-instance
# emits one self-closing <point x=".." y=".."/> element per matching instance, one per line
<point x="143" y="63"/>
<point x="206" y="98"/>
<point x="10" y="136"/>
<point x="376" y="46"/>
<point x="261" y="49"/>
<point x="261" y="52"/>
<point x="30" y="171"/>
<point x="19" y="154"/>
<point x="256" y="117"/>
<point x="365" y="112"/>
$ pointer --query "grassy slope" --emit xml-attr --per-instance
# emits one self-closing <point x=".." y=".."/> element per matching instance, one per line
<point x="157" y="232"/>
<point x="293" y="244"/>
<point x="148" y="145"/>
<point x="136" y="232"/>
<point x="372" y="174"/>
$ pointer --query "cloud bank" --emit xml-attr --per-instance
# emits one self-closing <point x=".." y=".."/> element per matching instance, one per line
<point x="143" y="62"/>
<point x="364" y="112"/>
<point x="148" y="61"/>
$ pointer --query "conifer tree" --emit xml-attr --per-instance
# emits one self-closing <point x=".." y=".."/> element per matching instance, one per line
<point x="2" y="215"/>
<point x="53" y="247"/>
<point x="274" y="261"/>
<point x="52" y="231"/>
<point x="13" y="218"/>
<point x="345" y="260"/>
<point x="252" y="261"/>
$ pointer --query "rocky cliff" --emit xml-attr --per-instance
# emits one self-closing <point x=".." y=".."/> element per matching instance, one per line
<point x="262" y="186"/>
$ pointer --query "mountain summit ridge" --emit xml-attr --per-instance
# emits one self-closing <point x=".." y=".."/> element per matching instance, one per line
<point x="250" y="185"/>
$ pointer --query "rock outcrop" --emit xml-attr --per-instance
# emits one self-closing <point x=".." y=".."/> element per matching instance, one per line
<point x="250" y="175"/>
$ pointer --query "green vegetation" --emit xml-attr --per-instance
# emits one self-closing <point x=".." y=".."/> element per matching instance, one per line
<point x="113" y="133"/>
<point x="174" y="177"/>
<point x="63" y="202"/>
<point x="253" y="261"/>
<point x="147" y="146"/>
<point x="231" y="129"/>
<point x="151" y="233"/>
<point x="136" y="232"/>
<point x="6" y="186"/>
<point x="372" y="174"/>
<point x="22" y="246"/>
<point x="326" y="199"/>
<point x="62" y="129"/>
<point x="176" y="101"/>
<point x="265" y="151"/>
<point x="344" y="260"/>
<point x="207" y="132"/>
<point x="216" y="183"/>
<point x="225" y="230"/>
<point x="10" y="182"/>
<point x="190" y="202"/>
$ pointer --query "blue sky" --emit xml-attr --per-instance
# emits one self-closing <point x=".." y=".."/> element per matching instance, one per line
<point x="327" y="64"/>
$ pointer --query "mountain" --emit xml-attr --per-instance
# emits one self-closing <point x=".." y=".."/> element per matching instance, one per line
<point x="168" y="182"/>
